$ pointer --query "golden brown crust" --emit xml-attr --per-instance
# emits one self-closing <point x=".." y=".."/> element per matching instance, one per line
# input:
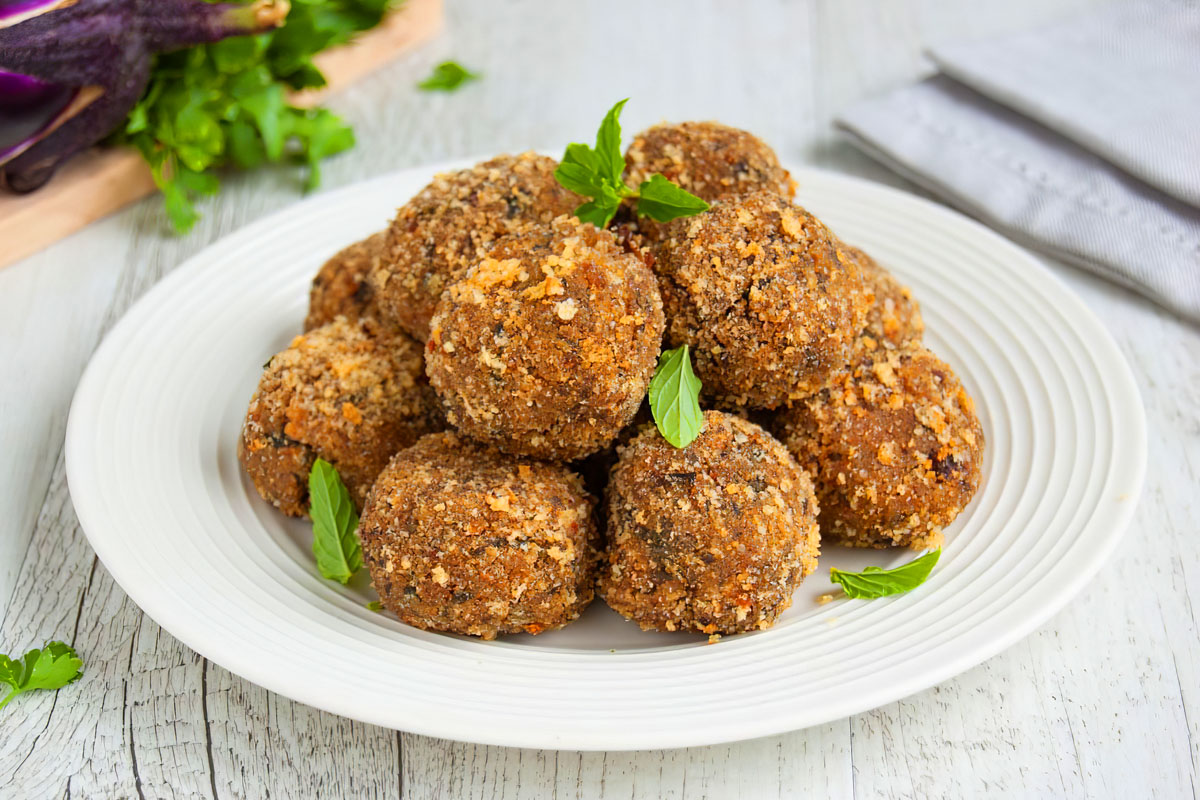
<point x="352" y="393"/>
<point x="547" y="346"/>
<point x="894" y="445"/>
<point x="441" y="232"/>
<point x="708" y="159"/>
<point x="461" y="538"/>
<point x="894" y="316"/>
<point x="340" y="288"/>
<point x="713" y="537"/>
<point x="756" y="288"/>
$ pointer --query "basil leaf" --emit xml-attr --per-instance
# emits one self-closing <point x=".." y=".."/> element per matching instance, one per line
<point x="875" y="582"/>
<point x="608" y="146"/>
<point x="579" y="171"/>
<point x="600" y="210"/>
<point x="52" y="667"/>
<point x="675" y="398"/>
<point x="335" y="543"/>
<point x="448" y="76"/>
<point x="662" y="201"/>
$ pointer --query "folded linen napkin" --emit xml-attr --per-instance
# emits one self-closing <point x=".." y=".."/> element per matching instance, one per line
<point x="1081" y="140"/>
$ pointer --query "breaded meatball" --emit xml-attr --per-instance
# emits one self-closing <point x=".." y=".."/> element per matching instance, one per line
<point x="714" y="537"/>
<point x="894" y="316"/>
<point x="710" y="160"/>
<point x="461" y="538"/>
<point x="442" y="231"/>
<point x="548" y="344"/>
<point x="340" y="288"/>
<point x="352" y="393"/>
<point x="756" y="287"/>
<point x="894" y="446"/>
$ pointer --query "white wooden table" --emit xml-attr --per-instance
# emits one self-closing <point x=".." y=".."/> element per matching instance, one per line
<point x="1104" y="701"/>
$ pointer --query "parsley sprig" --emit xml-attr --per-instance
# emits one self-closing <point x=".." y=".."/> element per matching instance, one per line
<point x="52" y="667"/>
<point x="335" y="524"/>
<point x="225" y="104"/>
<point x="598" y="172"/>
<point x="675" y="398"/>
<point x="875" y="582"/>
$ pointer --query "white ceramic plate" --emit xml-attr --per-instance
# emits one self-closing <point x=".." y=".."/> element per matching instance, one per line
<point x="157" y="487"/>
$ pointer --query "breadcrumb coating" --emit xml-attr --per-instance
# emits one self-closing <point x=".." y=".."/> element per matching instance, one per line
<point x="708" y="159"/>
<point x="340" y="288"/>
<point x="461" y="538"/>
<point x="894" y="445"/>
<point x="714" y="537"/>
<point x="894" y="316"/>
<point x="352" y="393"/>
<point x="445" y="229"/>
<point x="546" y="347"/>
<point x="756" y="288"/>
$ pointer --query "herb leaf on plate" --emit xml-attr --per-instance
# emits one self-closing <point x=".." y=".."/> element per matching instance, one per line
<point x="663" y="201"/>
<point x="675" y="398"/>
<point x="335" y="543"/>
<point x="448" y="76"/>
<point x="52" y="667"/>
<point x="599" y="174"/>
<point x="875" y="582"/>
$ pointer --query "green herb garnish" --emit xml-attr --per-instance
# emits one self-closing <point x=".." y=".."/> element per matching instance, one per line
<point x="52" y="667"/>
<point x="335" y="543"/>
<point x="598" y="172"/>
<point x="375" y="605"/>
<point x="448" y="76"/>
<point x="675" y="398"/>
<point x="225" y="104"/>
<point x="875" y="582"/>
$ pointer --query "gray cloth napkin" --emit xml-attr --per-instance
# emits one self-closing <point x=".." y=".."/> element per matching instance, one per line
<point x="1086" y="145"/>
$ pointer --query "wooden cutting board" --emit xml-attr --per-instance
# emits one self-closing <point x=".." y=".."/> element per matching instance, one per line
<point x="100" y="181"/>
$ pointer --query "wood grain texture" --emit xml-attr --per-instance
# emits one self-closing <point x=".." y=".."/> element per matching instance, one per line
<point x="1101" y="702"/>
<point x="100" y="181"/>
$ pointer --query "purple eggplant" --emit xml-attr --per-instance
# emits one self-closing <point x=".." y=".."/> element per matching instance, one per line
<point x="70" y="70"/>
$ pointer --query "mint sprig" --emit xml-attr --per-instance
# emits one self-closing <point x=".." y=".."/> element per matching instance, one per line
<point x="447" y="76"/>
<point x="52" y="667"/>
<point x="335" y="543"/>
<point x="598" y="173"/>
<point x="875" y="582"/>
<point x="675" y="398"/>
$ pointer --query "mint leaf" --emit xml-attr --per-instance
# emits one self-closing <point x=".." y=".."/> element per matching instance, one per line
<point x="335" y="543"/>
<point x="675" y="398"/>
<point x="662" y="201"/>
<point x="52" y="667"/>
<point x="875" y="582"/>
<point x="600" y="210"/>
<point x="448" y="76"/>
<point x="608" y="147"/>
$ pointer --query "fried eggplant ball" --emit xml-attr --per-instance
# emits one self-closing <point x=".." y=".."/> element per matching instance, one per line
<point x="546" y="347"/>
<point x="352" y="393"/>
<point x="714" y="537"/>
<point x="442" y="231"/>
<point x="340" y="288"/>
<point x="710" y="160"/>
<point x="894" y="446"/>
<point x="756" y="287"/>
<point x="461" y="538"/>
<point x="894" y="316"/>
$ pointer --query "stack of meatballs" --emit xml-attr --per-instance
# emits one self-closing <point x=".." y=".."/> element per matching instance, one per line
<point x="477" y="374"/>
